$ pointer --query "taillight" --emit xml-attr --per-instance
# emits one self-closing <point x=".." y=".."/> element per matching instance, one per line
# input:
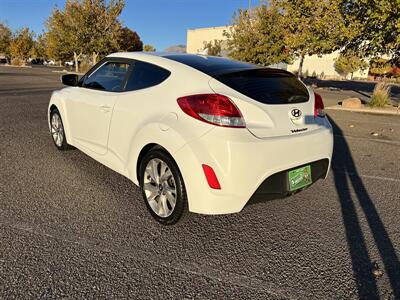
<point x="212" y="108"/>
<point x="318" y="106"/>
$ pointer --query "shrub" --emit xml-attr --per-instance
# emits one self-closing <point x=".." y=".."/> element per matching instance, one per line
<point x="380" y="96"/>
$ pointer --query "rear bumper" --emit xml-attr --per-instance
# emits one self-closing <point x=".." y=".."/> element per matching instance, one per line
<point x="277" y="185"/>
<point x="246" y="165"/>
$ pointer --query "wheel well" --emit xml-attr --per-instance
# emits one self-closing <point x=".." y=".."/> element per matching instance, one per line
<point x="52" y="107"/>
<point x="142" y="153"/>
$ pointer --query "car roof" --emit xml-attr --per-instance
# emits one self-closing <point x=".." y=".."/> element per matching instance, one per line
<point x="210" y="65"/>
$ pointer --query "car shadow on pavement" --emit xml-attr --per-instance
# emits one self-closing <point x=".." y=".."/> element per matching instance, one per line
<point x="345" y="174"/>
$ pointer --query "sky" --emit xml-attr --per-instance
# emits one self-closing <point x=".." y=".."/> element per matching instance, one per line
<point x="161" y="23"/>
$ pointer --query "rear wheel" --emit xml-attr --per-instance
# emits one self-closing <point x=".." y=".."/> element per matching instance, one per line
<point x="163" y="188"/>
<point x="57" y="131"/>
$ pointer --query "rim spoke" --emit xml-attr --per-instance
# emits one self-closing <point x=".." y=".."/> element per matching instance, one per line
<point x="164" y="206"/>
<point x="171" y="199"/>
<point x="152" y="197"/>
<point x="170" y="189"/>
<point x="154" y="167"/>
<point x="166" y="175"/>
<point x="151" y="188"/>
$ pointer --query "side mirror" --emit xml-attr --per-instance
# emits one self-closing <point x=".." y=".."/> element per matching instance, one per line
<point x="70" y="79"/>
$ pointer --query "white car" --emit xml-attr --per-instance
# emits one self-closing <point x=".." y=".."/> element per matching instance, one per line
<point x="49" y="62"/>
<point x="196" y="133"/>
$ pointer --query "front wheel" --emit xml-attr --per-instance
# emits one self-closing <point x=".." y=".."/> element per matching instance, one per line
<point x="163" y="188"/>
<point x="57" y="131"/>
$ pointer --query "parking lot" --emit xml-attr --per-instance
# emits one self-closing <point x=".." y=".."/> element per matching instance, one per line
<point x="70" y="227"/>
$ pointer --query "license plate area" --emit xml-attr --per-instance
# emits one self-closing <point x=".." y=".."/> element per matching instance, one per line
<point x="299" y="178"/>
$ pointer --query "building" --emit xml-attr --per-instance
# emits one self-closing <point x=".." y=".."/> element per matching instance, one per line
<point x="321" y="66"/>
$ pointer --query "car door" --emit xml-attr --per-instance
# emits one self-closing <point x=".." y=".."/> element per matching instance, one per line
<point x="90" y="107"/>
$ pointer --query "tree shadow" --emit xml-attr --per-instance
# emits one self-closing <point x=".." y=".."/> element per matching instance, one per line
<point x="345" y="174"/>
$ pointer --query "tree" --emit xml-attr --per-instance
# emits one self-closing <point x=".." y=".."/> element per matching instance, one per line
<point x="380" y="67"/>
<point x="84" y="27"/>
<point x="129" y="40"/>
<point x="5" y="39"/>
<point x="313" y="27"/>
<point x="348" y="63"/>
<point x="213" y="48"/>
<point x="22" y="44"/>
<point x="258" y="35"/>
<point x="39" y="47"/>
<point x="375" y="25"/>
<point x="149" y="48"/>
<point x="176" y="49"/>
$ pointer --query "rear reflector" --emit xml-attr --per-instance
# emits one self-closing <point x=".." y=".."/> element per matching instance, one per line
<point x="211" y="177"/>
<point x="213" y="109"/>
<point x="318" y="106"/>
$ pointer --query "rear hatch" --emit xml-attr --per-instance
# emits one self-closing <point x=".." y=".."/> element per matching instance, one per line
<point x="273" y="102"/>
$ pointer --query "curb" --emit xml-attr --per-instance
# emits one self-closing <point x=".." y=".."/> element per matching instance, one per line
<point x="67" y="72"/>
<point x="12" y="66"/>
<point x="380" y="111"/>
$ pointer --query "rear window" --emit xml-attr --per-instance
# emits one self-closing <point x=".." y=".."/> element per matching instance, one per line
<point x="145" y="75"/>
<point x="210" y="65"/>
<point x="269" y="86"/>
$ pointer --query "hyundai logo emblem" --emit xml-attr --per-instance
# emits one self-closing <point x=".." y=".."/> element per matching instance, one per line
<point x="296" y="113"/>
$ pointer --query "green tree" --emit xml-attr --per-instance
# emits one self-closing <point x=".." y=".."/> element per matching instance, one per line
<point x="348" y="63"/>
<point x="84" y="27"/>
<point x="5" y="39"/>
<point x="39" y="47"/>
<point x="149" y="48"/>
<point x="213" y="48"/>
<point x="380" y="67"/>
<point x="313" y="27"/>
<point x="129" y="40"/>
<point x="376" y="27"/>
<point x="22" y="44"/>
<point x="258" y="35"/>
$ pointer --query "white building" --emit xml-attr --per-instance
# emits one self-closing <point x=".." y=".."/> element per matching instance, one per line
<point x="323" y="65"/>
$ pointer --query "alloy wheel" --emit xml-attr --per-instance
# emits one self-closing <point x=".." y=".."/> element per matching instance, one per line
<point x="160" y="188"/>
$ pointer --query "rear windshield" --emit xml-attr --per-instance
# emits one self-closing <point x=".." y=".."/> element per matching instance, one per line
<point x="210" y="65"/>
<point x="269" y="86"/>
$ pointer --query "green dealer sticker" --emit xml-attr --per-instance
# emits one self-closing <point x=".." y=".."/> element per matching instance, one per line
<point x="299" y="178"/>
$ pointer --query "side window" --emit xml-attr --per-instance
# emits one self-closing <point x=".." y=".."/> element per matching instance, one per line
<point x="145" y="75"/>
<point x="109" y="77"/>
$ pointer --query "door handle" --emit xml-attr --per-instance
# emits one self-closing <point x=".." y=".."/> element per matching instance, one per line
<point x="105" y="108"/>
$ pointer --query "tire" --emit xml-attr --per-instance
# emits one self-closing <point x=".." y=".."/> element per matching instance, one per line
<point x="162" y="188"/>
<point x="57" y="131"/>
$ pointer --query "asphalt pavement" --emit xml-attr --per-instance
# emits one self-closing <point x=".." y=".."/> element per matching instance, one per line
<point x="72" y="228"/>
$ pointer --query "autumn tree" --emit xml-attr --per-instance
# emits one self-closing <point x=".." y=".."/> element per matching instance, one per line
<point x="258" y="35"/>
<point x="84" y="27"/>
<point x="313" y="27"/>
<point x="39" y="47"/>
<point x="149" y="48"/>
<point x="375" y="25"/>
<point x="5" y="39"/>
<point x="213" y="48"/>
<point x="21" y="44"/>
<point x="380" y="67"/>
<point x="348" y="63"/>
<point x="129" y="40"/>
